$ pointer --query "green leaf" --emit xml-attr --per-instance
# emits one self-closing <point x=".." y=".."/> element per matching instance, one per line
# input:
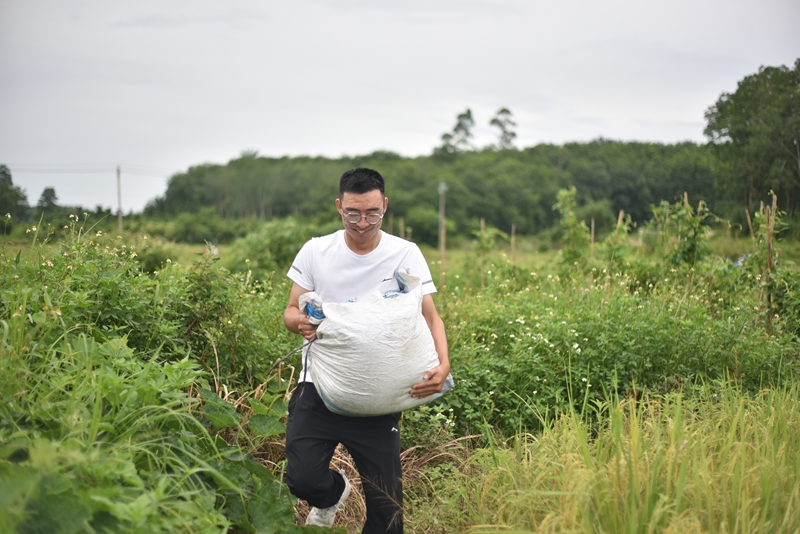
<point x="259" y="407"/>
<point x="220" y="444"/>
<point x="14" y="450"/>
<point x="15" y="482"/>
<point x="266" y="426"/>
<point x="257" y="468"/>
<point x="235" y="511"/>
<point x="56" y="483"/>
<point x="222" y="480"/>
<point x="270" y="508"/>
<point x="236" y="474"/>
<point x="39" y="317"/>
<point x="279" y="407"/>
<point x="55" y="514"/>
<point x="105" y="522"/>
<point x="234" y="454"/>
<point x="274" y="406"/>
<point x="221" y="416"/>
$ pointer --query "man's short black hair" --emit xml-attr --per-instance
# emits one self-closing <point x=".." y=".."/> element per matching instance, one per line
<point x="360" y="181"/>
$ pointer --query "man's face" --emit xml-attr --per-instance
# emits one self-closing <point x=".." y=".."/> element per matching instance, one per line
<point x="373" y="202"/>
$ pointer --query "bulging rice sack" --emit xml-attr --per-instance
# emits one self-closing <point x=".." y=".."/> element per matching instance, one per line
<point x="369" y="353"/>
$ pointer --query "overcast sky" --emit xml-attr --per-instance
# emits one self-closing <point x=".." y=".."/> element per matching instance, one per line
<point x="159" y="86"/>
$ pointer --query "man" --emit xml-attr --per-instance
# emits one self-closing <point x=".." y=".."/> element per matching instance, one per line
<point x="345" y="265"/>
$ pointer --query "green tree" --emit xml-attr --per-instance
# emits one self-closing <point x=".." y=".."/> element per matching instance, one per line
<point x="448" y="147"/>
<point x="684" y="233"/>
<point x="505" y="123"/>
<point x="48" y="199"/>
<point x="459" y="139"/>
<point x="505" y="187"/>
<point x="462" y="131"/>
<point x="756" y="135"/>
<point x="12" y="199"/>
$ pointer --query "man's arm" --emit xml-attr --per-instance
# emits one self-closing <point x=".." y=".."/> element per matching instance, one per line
<point x="294" y="319"/>
<point x="434" y="379"/>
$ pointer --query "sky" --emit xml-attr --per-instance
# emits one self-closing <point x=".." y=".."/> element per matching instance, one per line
<point x="156" y="87"/>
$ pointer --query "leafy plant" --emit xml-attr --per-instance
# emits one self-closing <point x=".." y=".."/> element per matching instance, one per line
<point x="575" y="234"/>
<point x="554" y="344"/>
<point x="272" y="247"/>
<point x="683" y="230"/>
<point x="614" y="248"/>
<point x="99" y="429"/>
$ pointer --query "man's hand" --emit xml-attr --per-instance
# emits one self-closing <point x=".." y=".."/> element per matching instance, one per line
<point x="432" y="381"/>
<point x="295" y="320"/>
<point x="306" y="329"/>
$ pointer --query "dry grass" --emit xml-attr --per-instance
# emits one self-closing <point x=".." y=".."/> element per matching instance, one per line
<point x="416" y="462"/>
<point x="722" y="463"/>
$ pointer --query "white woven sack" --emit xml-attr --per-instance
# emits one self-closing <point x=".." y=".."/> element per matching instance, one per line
<point x="369" y="353"/>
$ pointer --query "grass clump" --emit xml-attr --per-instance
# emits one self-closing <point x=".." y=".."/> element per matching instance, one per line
<point x="718" y="460"/>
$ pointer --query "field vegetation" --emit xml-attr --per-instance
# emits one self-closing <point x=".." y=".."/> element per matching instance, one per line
<point x="642" y="383"/>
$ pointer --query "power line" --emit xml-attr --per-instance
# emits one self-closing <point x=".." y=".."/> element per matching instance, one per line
<point x="91" y="168"/>
<point x="110" y="172"/>
<point x="137" y="170"/>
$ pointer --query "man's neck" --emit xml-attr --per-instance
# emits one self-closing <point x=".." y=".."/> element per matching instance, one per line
<point x="363" y="248"/>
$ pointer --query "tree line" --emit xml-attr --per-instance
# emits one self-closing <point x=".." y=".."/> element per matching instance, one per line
<point x="504" y="187"/>
<point x="14" y="207"/>
<point x="753" y="149"/>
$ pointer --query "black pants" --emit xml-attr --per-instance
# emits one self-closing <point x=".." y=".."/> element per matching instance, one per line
<point x="312" y="434"/>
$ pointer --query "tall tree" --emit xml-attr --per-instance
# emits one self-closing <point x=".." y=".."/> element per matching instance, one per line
<point x="459" y="139"/>
<point x="462" y="132"/>
<point x="502" y="119"/>
<point x="448" y="146"/>
<point x="48" y="199"/>
<point x="756" y="135"/>
<point x="12" y="199"/>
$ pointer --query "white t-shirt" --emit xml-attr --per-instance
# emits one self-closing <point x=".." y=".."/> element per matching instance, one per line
<point x="327" y="266"/>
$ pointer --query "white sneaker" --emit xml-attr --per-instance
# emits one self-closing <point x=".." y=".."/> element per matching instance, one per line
<point x="323" y="517"/>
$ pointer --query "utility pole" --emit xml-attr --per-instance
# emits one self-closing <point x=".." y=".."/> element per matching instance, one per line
<point x="119" y="202"/>
<point x="442" y="188"/>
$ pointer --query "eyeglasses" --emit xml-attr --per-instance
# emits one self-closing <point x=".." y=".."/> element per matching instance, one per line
<point x="354" y="218"/>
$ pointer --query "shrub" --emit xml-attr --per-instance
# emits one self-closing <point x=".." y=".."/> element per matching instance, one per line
<point x="556" y="343"/>
<point x="234" y="323"/>
<point x="206" y="226"/>
<point x="272" y="247"/>
<point x="99" y="426"/>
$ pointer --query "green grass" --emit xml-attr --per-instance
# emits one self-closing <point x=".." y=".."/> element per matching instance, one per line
<point x="181" y="253"/>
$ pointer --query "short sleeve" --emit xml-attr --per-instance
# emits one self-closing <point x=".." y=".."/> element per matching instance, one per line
<point x="418" y="267"/>
<point x="301" y="270"/>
